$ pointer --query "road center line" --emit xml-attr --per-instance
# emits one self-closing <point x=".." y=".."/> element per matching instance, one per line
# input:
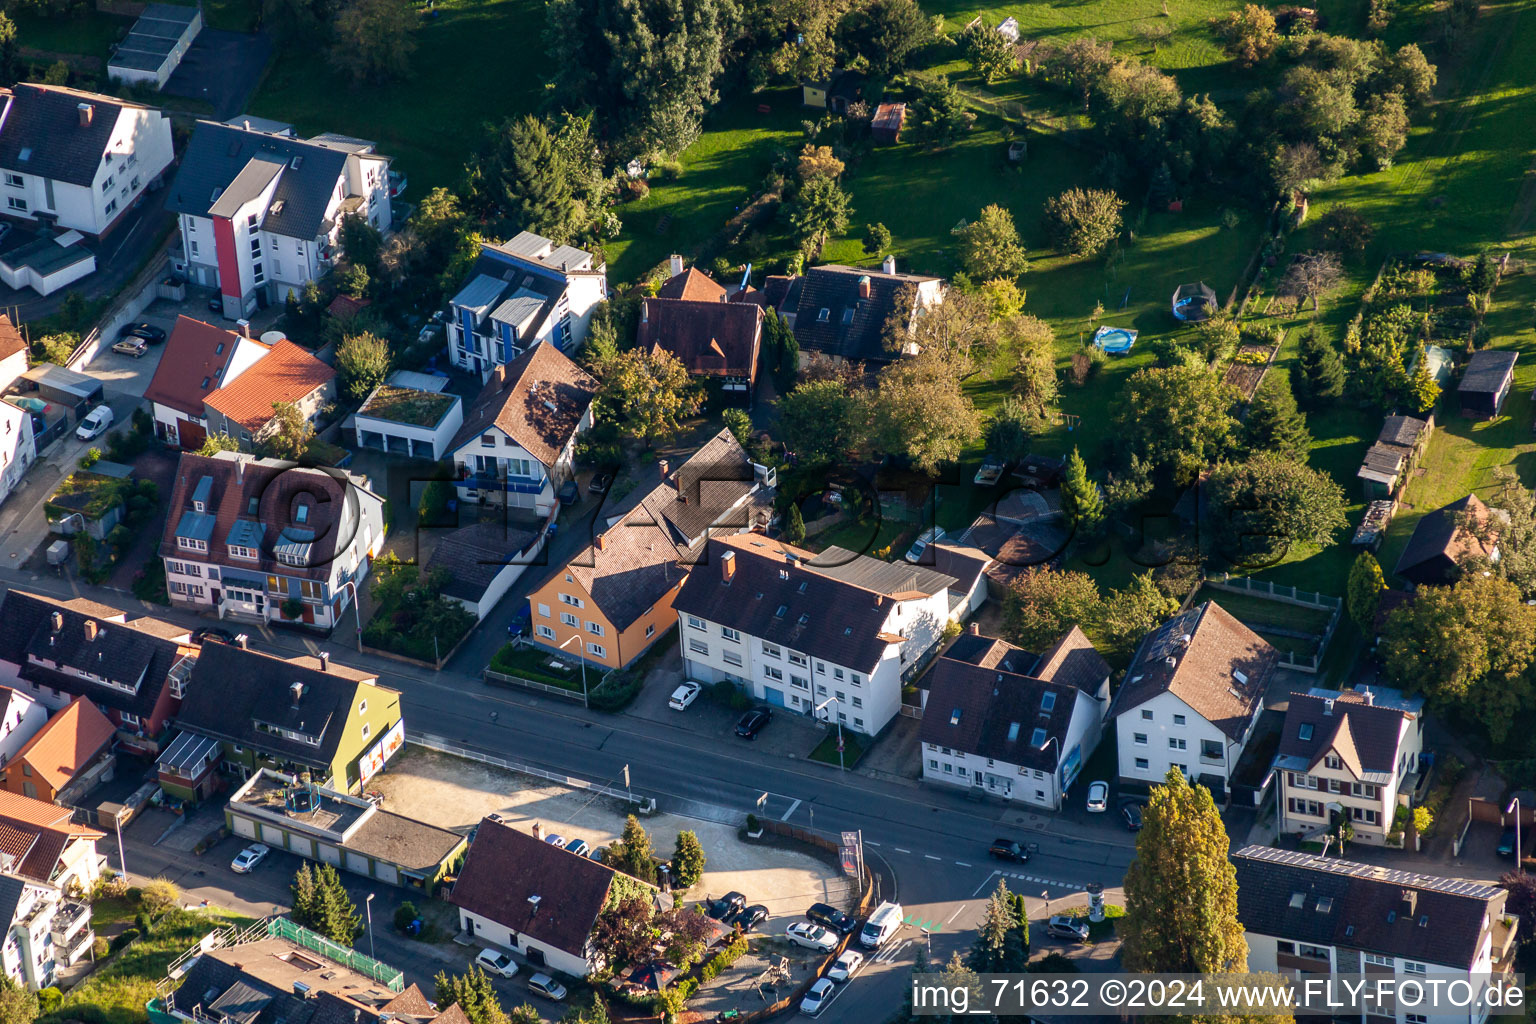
<point x="790" y="811"/>
<point x="900" y="850"/>
<point x="932" y="857"/>
<point x="961" y="864"/>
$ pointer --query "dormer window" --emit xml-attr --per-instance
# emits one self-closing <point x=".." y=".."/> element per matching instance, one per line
<point x="252" y="505"/>
<point x="1037" y="738"/>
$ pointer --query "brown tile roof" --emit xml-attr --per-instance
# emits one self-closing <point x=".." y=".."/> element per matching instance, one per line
<point x="345" y="307"/>
<point x="1204" y="673"/>
<point x="1364" y="907"/>
<point x="279" y="489"/>
<point x="628" y="568"/>
<point x="506" y="866"/>
<point x="1072" y="660"/>
<point x="191" y="365"/>
<point x="692" y="284"/>
<point x="67" y="743"/>
<point x="712" y="339"/>
<point x="285" y="374"/>
<point x="854" y="328"/>
<point x="964" y="563"/>
<point x="50" y="825"/>
<point x="538" y="400"/>
<point x="1437" y="546"/>
<point x="11" y="340"/>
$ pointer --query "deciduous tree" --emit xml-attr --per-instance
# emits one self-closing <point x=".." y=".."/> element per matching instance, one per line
<point x="1083" y="221"/>
<point x="215" y="443"/>
<point x="1010" y="430"/>
<point x="1249" y="35"/>
<point x="1344" y="230"/>
<point x="990" y="54"/>
<point x="823" y="421"/>
<point x="1042" y="604"/>
<point x="1181" y="890"/>
<point x="1133" y="611"/>
<point x="651" y="393"/>
<point x="1362" y="594"/>
<point x="1262" y="506"/>
<point x="622" y="933"/>
<point x="877" y="238"/>
<point x="289" y="433"/>
<point x="18" y="1004"/>
<point x="922" y="414"/>
<point x="818" y="162"/>
<point x="1312" y="275"/>
<point x="990" y="246"/>
<point x="373" y="40"/>
<point x="1176" y="418"/>
<point x="1468" y="647"/>
<point x="885" y="33"/>
<point x="362" y="362"/>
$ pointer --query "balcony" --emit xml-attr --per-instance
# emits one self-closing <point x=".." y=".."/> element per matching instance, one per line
<point x="77" y="946"/>
<point x="515" y="484"/>
<point x="70" y="919"/>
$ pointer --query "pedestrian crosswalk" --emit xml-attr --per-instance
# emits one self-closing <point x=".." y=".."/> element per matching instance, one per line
<point x="1056" y="883"/>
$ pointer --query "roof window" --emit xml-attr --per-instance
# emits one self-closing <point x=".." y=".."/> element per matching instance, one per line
<point x="954" y="717"/>
<point x="1305" y="732"/>
<point x="1037" y="738"/>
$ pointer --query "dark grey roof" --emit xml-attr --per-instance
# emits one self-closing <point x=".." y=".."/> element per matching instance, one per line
<point x="859" y="336"/>
<point x="1487" y="371"/>
<point x="180" y="15"/>
<point x="1404" y="431"/>
<point x="965" y="564"/>
<point x="217" y="155"/>
<point x="42" y="133"/>
<point x="252" y="180"/>
<point x="1297" y="896"/>
<point x="1365" y="736"/>
<point x="882" y="577"/>
<point x="127" y="654"/>
<point x="241" y="1002"/>
<point x="765" y="581"/>
<point x="996" y="714"/>
<point x="475" y="555"/>
<point x="11" y="891"/>
<point x="232" y="689"/>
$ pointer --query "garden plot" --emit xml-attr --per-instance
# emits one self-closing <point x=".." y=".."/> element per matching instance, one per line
<point x="455" y="793"/>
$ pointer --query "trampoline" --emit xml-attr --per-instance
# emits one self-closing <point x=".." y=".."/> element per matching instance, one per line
<point x="1193" y="303"/>
<point x="1114" y="340"/>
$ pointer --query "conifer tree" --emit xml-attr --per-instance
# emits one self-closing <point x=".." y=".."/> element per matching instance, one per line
<point x="1274" y="423"/>
<point x="1081" y="501"/>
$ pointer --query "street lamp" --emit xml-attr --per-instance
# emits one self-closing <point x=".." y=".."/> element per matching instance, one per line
<point x="1055" y="775"/>
<point x="818" y="707"/>
<point x="1515" y="806"/>
<point x="561" y="646"/>
<point x="357" y="610"/>
<point x="368" y="909"/>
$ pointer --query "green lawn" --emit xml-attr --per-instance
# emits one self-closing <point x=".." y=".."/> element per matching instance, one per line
<point x="477" y="61"/>
<point x="531" y="663"/>
<point x="1255" y="609"/>
<point x="87" y="32"/>
<point x="826" y="750"/>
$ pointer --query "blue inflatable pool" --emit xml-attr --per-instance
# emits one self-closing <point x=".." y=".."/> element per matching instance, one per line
<point x="1115" y="340"/>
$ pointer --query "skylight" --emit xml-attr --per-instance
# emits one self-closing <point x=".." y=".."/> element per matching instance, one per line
<point x="1037" y="738"/>
<point x="1047" y="701"/>
<point x="1297" y="900"/>
<point x="954" y="717"/>
<point x="1013" y="732"/>
<point x="1305" y="733"/>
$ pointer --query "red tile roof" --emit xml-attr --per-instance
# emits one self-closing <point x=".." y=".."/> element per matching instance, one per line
<point x="49" y="825"/>
<point x="712" y="338"/>
<point x="285" y="374"/>
<point x="538" y="400"/>
<point x="67" y="743"/>
<point x="692" y="284"/>
<point x="11" y="340"/>
<point x="191" y="365"/>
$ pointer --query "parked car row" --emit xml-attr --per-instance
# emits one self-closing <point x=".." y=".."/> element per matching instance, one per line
<point x="501" y="964"/>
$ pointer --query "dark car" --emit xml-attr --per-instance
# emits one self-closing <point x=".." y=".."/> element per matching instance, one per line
<point x="751" y="917"/>
<point x="726" y="906"/>
<point x="214" y="633"/>
<point x="1507" y="843"/>
<point x="149" y="332"/>
<point x="1008" y="849"/>
<point x="1132" y="815"/>
<point x="830" y="917"/>
<point x="752" y="723"/>
<point x="569" y="493"/>
<point x="216" y="304"/>
<point x="600" y="483"/>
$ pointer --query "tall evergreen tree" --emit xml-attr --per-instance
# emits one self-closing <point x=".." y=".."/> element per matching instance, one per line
<point x="473" y="993"/>
<point x="304" y="896"/>
<point x="794" y="525"/>
<point x="688" y="859"/>
<point x="1362" y="595"/>
<point x="989" y="953"/>
<point x="1319" y="374"/>
<point x="1423" y="389"/>
<point x="522" y="175"/>
<point x="1081" y="501"/>
<point x="1274" y="423"/>
<point x="632" y="853"/>
<point x="1181" y="890"/>
<point x="336" y="915"/>
<point x="1019" y="936"/>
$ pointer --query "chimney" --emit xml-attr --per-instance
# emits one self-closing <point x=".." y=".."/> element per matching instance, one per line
<point x="975" y="629"/>
<point x="325" y="660"/>
<point x="301" y="990"/>
<point x="58" y="621"/>
<point x="296" y="690"/>
<point x="645" y="311"/>
<point x="244" y="327"/>
<point x="86" y="112"/>
<point x="864" y="287"/>
<point x="246" y="124"/>
<point x="888" y="266"/>
<point x="661" y="464"/>
<point x="1410" y="903"/>
<point x="1370" y="698"/>
<point x="90" y="631"/>
<point x="242" y="641"/>
<point x="1328" y="706"/>
<point x="601" y="543"/>
<point x="728" y="566"/>
<point x="675" y="264"/>
<point x="538" y="831"/>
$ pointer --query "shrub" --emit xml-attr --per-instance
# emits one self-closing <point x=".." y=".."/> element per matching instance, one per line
<point x="617" y="692"/>
<point x="405" y="915"/>
<point x="724" y="958"/>
<point x="124" y="938"/>
<point x="48" y="999"/>
<point x="90" y="458"/>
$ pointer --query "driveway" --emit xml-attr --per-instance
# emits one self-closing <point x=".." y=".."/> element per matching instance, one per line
<point x="221" y="68"/>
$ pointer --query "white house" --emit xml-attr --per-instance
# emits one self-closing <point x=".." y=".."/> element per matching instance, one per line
<point x="198" y="360"/>
<point x="43" y="931"/>
<point x="18" y="449"/>
<point x="1191" y="697"/>
<point x="517" y="892"/>
<point x="519" y="436"/>
<point x="77" y="160"/>
<point x="410" y="415"/>
<point x="1354" y="755"/>
<point x="20" y="719"/>
<point x="261" y="210"/>
<point x="520" y="293"/>
<point x="969" y="567"/>
<point x="263" y="539"/>
<point x="45" y="846"/>
<point x="806" y="631"/>
<point x="483" y="560"/>
<point x="1307" y="917"/>
<point x="1013" y="724"/>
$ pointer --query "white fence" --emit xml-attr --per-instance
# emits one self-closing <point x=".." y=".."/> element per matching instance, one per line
<point x="443" y="746"/>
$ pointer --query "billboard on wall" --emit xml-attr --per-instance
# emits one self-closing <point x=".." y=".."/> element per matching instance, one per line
<point x="378" y="755"/>
<point x="1071" y="766"/>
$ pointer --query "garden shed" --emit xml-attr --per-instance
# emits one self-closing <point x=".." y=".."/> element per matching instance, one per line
<point x="1486" y="382"/>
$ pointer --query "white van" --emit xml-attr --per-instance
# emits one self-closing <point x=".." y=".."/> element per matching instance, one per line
<point x="882" y="924"/>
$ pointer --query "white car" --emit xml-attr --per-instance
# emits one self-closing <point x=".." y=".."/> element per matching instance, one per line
<point x="1098" y="797"/>
<point x="684" y="695"/>
<point x="549" y="988"/>
<point x="558" y="842"/>
<point x="818" y="997"/>
<point x="248" y="858"/>
<point x="845" y="966"/>
<point x="929" y="536"/>
<point x="580" y="847"/>
<point x="95" y="424"/>
<point x="492" y="962"/>
<point x="811" y="936"/>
